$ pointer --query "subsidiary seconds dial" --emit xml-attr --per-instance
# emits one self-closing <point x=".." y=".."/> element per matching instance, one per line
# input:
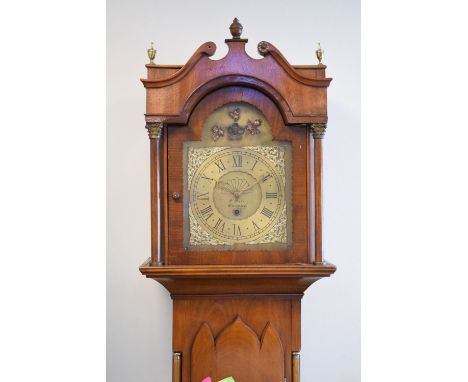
<point x="237" y="195"/>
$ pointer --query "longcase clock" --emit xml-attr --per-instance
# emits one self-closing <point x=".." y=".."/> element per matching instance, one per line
<point x="236" y="191"/>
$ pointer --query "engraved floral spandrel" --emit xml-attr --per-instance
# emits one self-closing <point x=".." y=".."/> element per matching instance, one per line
<point x="198" y="235"/>
<point x="274" y="154"/>
<point x="196" y="156"/>
<point x="278" y="233"/>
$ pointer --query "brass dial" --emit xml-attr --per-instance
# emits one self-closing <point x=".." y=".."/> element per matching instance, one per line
<point x="237" y="195"/>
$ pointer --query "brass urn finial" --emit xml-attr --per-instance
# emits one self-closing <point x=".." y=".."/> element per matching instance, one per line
<point x="151" y="54"/>
<point x="236" y="29"/>
<point x="319" y="53"/>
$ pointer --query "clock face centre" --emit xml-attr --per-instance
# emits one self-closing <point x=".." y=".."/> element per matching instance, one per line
<point x="237" y="195"/>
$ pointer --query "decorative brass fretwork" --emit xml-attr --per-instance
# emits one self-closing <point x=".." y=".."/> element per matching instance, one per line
<point x="278" y="233"/>
<point x="154" y="129"/>
<point x="236" y="131"/>
<point x="196" y="156"/>
<point x="317" y="130"/>
<point x="217" y="132"/>
<point x="274" y="154"/>
<point x="252" y="127"/>
<point x="198" y="234"/>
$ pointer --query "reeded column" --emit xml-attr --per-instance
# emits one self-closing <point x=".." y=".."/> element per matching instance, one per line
<point x="317" y="130"/>
<point x="296" y="366"/>
<point x="176" y="367"/>
<point x="155" y="132"/>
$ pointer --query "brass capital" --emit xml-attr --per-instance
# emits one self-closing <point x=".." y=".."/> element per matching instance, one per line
<point x="154" y="129"/>
<point x="317" y="130"/>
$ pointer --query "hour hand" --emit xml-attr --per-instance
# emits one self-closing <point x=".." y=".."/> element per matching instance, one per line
<point x="225" y="187"/>
<point x="254" y="184"/>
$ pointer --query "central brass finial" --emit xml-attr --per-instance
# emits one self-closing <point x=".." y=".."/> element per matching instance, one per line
<point x="236" y="29"/>
<point x="151" y="54"/>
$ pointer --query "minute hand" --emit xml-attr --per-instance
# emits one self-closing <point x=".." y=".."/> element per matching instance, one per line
<point x="254" y="184"/>
<point x="222" y="186"/>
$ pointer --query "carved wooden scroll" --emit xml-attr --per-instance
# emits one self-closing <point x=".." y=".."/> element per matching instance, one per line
<point x="238" y="352"/>
<point x="299" y="92"/>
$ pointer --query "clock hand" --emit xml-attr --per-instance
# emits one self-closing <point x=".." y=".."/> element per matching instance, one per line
<point x="224" y="188"/>
<point x="236" y="194"/>
<point x="254" y="184"/>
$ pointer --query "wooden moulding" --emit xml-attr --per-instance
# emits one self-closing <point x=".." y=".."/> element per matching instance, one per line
<point x="227" y="280"/>
<point x="173" y="91"/>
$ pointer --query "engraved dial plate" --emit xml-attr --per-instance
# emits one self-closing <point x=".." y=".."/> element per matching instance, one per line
<point x="237" y="196"/>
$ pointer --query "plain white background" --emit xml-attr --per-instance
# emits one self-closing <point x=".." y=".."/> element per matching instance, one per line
<point x="139" y="310"/>
<point x="53" y="201"/>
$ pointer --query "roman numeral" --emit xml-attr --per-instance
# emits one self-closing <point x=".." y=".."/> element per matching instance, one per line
<point x="267" y="212"/>
<point x="219" y="226"/>
<point x="237" y="230"/>
<point x="220" y="165"/>
<point x="271" y="195"/>
<point x="254" y="165"/>
<point x="256" y="227"/>
<point x="203" y="196"/>
<point x="237" y="160"/>
<point x="208" y="211"/>
<point x="266" y="177"/>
